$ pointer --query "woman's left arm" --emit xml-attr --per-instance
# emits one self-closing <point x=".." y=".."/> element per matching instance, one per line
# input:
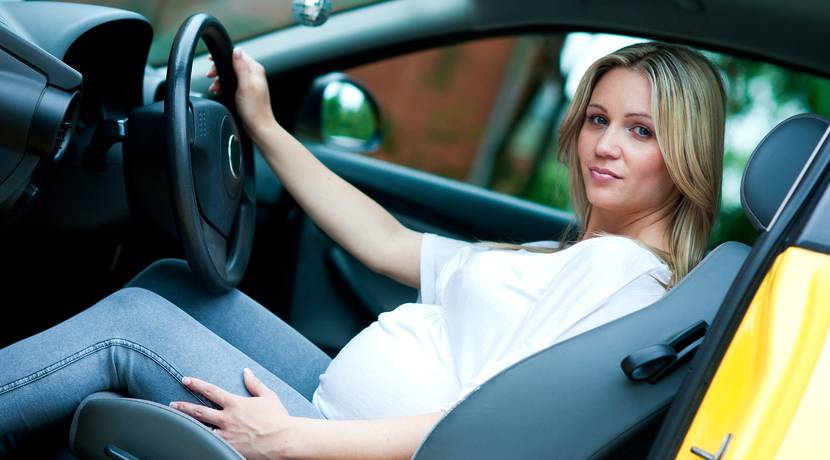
<point x="260" y="427"/>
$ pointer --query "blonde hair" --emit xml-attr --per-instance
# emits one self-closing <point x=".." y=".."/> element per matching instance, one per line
<point x="689" y="110"/>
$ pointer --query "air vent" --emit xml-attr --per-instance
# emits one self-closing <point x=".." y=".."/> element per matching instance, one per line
<point x="66" y="128"/>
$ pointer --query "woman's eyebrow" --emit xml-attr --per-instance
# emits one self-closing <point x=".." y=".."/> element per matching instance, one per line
<point x="630" y="114"/>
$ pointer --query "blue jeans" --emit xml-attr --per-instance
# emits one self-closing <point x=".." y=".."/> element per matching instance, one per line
<point x="141" y="341"/>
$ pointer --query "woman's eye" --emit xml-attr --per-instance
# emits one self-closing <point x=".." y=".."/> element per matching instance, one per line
<point x="597" y="120"/>
<point x="642" y="131"/>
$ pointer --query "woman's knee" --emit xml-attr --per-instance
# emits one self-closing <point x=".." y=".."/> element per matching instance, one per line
<point x="131" y="309"/>
<point x="165" y="276"/>
<point x="173" y="280"/>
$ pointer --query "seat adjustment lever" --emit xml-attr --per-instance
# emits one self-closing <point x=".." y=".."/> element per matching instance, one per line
<point x="655" y="362"/>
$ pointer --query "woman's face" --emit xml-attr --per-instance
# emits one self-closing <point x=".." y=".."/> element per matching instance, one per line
<point x="621" y="163"/>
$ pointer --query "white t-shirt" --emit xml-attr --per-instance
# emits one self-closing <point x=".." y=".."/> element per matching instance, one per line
<point x="480" y="311"/>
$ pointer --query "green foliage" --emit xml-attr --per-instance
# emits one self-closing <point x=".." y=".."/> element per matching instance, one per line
<point x="549" y="185"/>
<point x="347" y="114"/>
<point x="732" y="225"/>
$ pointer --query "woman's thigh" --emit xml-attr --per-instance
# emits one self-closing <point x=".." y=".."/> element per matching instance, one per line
<point x="242" y="322"/>
<point x="133" y="342"/>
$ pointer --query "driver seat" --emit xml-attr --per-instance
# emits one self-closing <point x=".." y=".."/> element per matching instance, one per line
<point x="571" y="400"/>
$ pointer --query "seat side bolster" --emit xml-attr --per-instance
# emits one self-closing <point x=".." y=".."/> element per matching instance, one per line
<point x="143" y="429"/>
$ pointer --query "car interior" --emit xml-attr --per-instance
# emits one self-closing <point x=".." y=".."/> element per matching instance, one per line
<point x="96" y="198"/>
<point x="560" y="407"/>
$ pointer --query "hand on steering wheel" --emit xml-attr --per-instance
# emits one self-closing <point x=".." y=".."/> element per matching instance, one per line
<point x="253" y="101"/>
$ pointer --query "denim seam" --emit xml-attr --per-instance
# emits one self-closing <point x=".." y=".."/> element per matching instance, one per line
<point x="103" y="345"/>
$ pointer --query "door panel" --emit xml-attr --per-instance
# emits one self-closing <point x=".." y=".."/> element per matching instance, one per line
<point x="462" y="209"/>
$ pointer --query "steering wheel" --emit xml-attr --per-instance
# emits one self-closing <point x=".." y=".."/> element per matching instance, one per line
<point x="211" y="162"/>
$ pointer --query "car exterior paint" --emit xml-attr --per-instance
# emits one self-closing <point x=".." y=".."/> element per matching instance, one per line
<point x="769" y="393"/>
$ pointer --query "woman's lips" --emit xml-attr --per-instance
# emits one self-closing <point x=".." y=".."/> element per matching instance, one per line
<point x="603" y="175"/>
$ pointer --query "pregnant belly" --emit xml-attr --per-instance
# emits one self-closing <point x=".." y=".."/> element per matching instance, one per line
<point x="397" y="366"/>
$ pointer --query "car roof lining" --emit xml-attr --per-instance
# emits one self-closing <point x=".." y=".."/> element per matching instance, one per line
<point x="786" y="32"/>
<point x="728" y="25"/>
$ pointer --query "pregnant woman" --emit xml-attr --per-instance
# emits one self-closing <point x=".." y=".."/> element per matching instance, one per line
<point x="643" y="140"/>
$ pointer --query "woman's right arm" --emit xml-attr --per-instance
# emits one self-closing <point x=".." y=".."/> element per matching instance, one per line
<point x="352" y="219"/>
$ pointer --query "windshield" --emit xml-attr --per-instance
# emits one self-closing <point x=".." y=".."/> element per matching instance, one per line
<point x="242" y="18"/>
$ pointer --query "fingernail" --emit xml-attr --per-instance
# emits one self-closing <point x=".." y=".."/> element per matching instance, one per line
<point x="186" y="380"/>
<point x="247" y="371"/>
<point x="237" y="52"/>
<point x="174" y="405"/>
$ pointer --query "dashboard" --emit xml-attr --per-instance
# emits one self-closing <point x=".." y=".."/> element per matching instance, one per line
<point x="108" y="48"/>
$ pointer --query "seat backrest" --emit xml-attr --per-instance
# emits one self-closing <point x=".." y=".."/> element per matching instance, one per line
<point x="572" y="400"/>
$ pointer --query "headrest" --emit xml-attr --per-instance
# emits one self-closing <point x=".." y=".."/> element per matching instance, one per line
<point x="776" y="164"/>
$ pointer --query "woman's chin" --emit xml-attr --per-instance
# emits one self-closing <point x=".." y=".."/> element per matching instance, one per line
<point x="609" y="200"/>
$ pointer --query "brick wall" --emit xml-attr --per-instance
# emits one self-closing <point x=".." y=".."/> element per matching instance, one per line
<point x="435" y="104"/>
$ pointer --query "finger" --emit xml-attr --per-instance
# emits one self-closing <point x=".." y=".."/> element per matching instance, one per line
<point x="210" y="56"/>
<point x="200" y="413"/>
<point x="240" y="64"/>
<point x="211" y="72"/>
<point x="215" y="88"/>
<point x="209" y="391"/>
<point x="255" y="385"/>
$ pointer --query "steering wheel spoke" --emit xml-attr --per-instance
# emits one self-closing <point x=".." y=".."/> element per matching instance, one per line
<point x="217" y="246"/>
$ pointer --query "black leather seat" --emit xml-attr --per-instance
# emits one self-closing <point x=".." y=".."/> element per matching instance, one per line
<point x="571" y="400"/>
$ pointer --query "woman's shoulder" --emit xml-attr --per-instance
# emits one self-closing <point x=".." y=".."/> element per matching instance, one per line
<point x="615" y="257"/>
<point x="608" y="240"/>
<point x="616" y="248"/>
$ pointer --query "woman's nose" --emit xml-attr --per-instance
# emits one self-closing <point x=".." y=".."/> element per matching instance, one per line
<point x="608" y="144"/>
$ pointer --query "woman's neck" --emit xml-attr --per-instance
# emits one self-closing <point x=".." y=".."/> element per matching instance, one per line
<point x="650" y="227"/>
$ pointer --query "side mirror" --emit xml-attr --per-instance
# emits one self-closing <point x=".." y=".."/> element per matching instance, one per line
<point x="340" y="113"/>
